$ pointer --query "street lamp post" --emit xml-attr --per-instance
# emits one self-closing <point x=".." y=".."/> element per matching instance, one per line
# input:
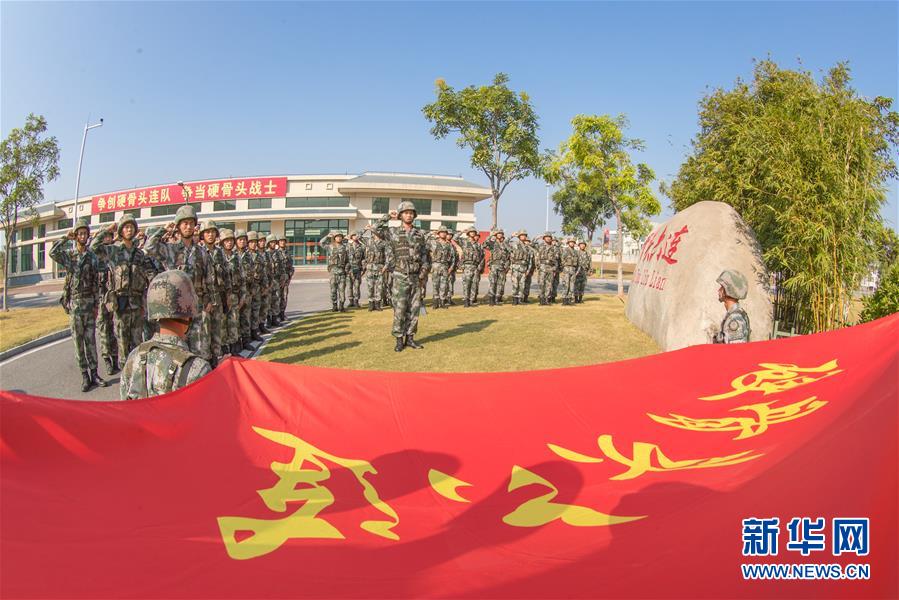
<point x="547" y="208"/>
<point x="87" y="128"/>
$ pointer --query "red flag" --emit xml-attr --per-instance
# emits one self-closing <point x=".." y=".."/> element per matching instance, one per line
<point x="267" y="480"/>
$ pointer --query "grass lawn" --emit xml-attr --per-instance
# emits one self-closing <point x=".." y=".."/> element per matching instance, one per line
<point x="483" y="338"/>
<point x="20" y="325"/>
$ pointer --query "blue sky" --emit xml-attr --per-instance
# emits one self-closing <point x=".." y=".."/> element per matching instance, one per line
<point x="208" y="90"/>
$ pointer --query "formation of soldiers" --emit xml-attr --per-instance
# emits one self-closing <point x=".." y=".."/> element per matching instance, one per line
<point x="240" y="284"/>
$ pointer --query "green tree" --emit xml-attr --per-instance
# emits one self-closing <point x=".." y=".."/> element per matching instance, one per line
<point x="596" y="162"/>
<point x="27" y="160"/>
<point x="885" y="300"/>
<point x="498" y="125"/>
<point x="806" y="165"/>
<point x="581" y="211"/>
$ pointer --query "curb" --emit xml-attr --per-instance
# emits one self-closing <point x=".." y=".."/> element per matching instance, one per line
<point x="46" y="339"/>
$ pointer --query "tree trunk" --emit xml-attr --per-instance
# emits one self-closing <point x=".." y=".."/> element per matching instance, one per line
<point x="493" y="206"/>
<point x="620" y="255"/>
<point x="6" y="260"/>
<point x="590" y="232"/>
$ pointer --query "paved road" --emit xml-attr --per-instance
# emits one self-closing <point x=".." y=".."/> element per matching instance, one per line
<point x="51" y="370"/>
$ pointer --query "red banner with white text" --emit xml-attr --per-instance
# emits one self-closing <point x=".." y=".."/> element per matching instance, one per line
<point x="658" y="477"/>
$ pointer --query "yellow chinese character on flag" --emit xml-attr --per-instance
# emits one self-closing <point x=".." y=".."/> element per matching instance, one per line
<point x="121" y="200"/>
<point x="775" y="378"/>
<point x="199" y="191"/>
<point x="212" y="190"/>
<point x="256" y="188"/>
<point x="241" y="189"/>
<point x="101" y="203"/>
<point x="154" y="196"/>
<point x="164" y="194"/>
<point x="270" y="188"/>
<point x="226" y="189"/>
<point x="142" y="198"/>
<point x="299" y="486"/>
<point x="132" y="199"/>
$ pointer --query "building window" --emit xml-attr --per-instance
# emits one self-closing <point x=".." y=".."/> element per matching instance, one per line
<point x="134" y="212"/>
<point x="41" y="255"/>
<point x="451" y="225"/>
<point x="380" y="205"/>
<point x="13" y="259"/>
<point x="303" y="237"/>
<point x="107" y="217"/>
<point x="161" y="211"/>
<point x="42" y="230"/>
<point x="422" y="205"/>
<point x="260" y="226"/>
<point x="330" y="186"/>
<point x="64" y="224"/>
<point x="423" y="225"/>
<point x="27" y="233"/>
<point x="220" y="205"/>
<point x="322" y="202"/>
<point x="257" y="203"/>
<point x="27" y="258"/>
<point x="308" y="186"/>
<point x="224" y="225"/>
<point x="449" y="208"/>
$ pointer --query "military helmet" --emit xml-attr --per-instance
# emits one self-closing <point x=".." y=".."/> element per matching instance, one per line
<point x="240" y="233"/>
<point x="406" y="205"/>
<point x="207" y="225"/>
<point x="126" y="218"/>
<point x="734" y="283"/>
<point x="547" y="234"/>
<point x="470" y="229"/>
<point x="171" y="295"/>
<point x="499" y="231"/>
<point x="225" y="234"/>
<point x="271" y="238"/>
<point x="580" y="241"/>
<point x="185" y="211"/>
<point x="252" y="236"/>
<point x="282" y="237"/>
<point x="334" y="233"/>
<point x="443" y="229"/>
<point x="81" y="223"/>
<point x="521" y="232"/>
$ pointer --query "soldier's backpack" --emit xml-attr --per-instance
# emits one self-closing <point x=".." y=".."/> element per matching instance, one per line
<point x="173" y="365"/>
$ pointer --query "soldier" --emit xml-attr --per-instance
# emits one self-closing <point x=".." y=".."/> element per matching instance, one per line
<point x="499" y="265"/>
<point x="248" y="268"/>
<point x="548" y="262"/>
<point x="529" y="275"/>
<point x="356" y="259"/>
<point x="130" y="271"/>
<point x="442" y="253"/>
<point x="279" y="278"/>
<point x="520" y="259"/>
<point x="237" y="293"/>
<point x="165" y="363"/>
<point x="472" y="264"/>
<point x="338" y="261"/>
<point x="264" y="266"/>
<point x="105" y="322"/>
<point x="557" y="274"/>
<point x="407" y="258"/>
<point x="585" y="268"/>
<point x="374" y="268"/>
<point x="216" y="323"/>
<point x="451" y="271"/>
<point x="82" y="289"/>
<point x="288" y="272"/>
<point x="733" y="287"/>
<point x="259" y="283"/>
<point x="570" y="261"/>
<point x="187" y="256"/>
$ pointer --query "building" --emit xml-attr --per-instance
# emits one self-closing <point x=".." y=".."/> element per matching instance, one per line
<point x="304" y="208"/>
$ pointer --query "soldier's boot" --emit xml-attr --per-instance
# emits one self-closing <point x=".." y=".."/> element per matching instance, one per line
<point x="450" y="302"/>
<point x="256" y="337"/>
<point x="262" y="328"/>
<point x="245" y="342"/>
<point x="86" y="381"/>
<point x="436" y="303"/>
<point x="371" y="306"/>
<point x="214" y="362"/>
<point x="400" y="344"/>
<point x="334" y="307"/>
<point x="499" y="299"/>
<point x="410" y="341"/>
<point x="96" y="379"/>
<point x="514" y="300"/>
<point x="110" y="370"/>
<point x="467" y="303"/>
<point x="491" y="300"/>
<point x="342" y="308"/>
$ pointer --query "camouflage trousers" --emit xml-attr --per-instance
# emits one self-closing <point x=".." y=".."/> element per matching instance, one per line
<point x="496" y="283"/>
<point x="519" y="276"/>
<point x="338" y="287"/>
<point x="450" y="286"/>
<point x="129" y="329"/>
<point x="265" y="301"/>
<point x="245" y="317"/>
<point x="555" y="288"/>
<point x="406" y="298"/>
<point x="527" y="284"/>
<point x="440" y="281"/>
<point x="546" y="276"/>
<point x="274" y="300"/>
<point x="566" y="282"/>
<point x="470" y="281"/>
<point x="106" y="333"/>
<point x="388" y="285"/>
<point x="255" y="304"/>
<point x="375" y="280"/>
<point x="580" y="284"/>
<point x="197" y="334"/>
<point x="230" y="324"/>
<point x="83" y="324"/>
<point x="284" y="292"/>
<point x="354" y="283"/>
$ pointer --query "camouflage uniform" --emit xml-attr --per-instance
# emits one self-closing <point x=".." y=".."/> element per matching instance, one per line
<point x="279" y="278"/>
<point x="194" y="261"/>
<point x="130" y="271"/>
<point x="407" y="257"/>
<point x="288" y="273"/>
<point x="529" y="275"/>
<point x="264" y="264"/>
<point x="216" y="323"/>
<point x="257" y="277"/>
<point x="442" y="254"/>
<point x="375" y="259"/>
<point x="356" y="259"/>
<point x="735" y="326"/>
<point x="500" y="252"/>
<point x="82" y="272"/>
<point x="165" y="362"/>
<point x="548" y="264"/>
<point x="472" y="265"/>
<point x="451" y="276"/>
<point x="521" y="261"/>
<point x="237" y="292"/>
<point x="585" y="266"/>
<point x="338" y="261"/>
<point x="569" y="259"/>
<point x="106" y="322"/>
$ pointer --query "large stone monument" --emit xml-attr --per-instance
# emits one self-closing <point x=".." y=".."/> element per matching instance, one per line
<point x="673" y="296"/>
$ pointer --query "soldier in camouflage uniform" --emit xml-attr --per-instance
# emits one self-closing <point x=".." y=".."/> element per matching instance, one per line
<point x="236" y="294"/>
<point x="733" y="287"/>
<point x="356" y="260"/>
<point x="441" y="254"/>
<point x="338" y="262"/>
<point x="558" y="273"/>
<point x="472" y="264"/>
<point x="279" y="278"/>
<point x="247" y="268"/>
<point x="259" y="284"/>
<point x="187" y="256"/>
<point x="374" y="267"/>
<point x="500" y="251"/>
<point x="109" y="350"/>
<point x="407" y="258"/>
<point x="82" y="290"/>
<point x="264" y="266"/>
<point x="529" y="275"/>
<point x="547" y="259"/>
<point x="217" y="325"/>
<point x="288" y="271"/>
<point x="165" y="363"/>
<point x="130" y="272"/>
<point x="451" y="271"/>
<point x="570" y="261"/>
<point x="585" y="267"/>
<point x="521" y="259"/>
